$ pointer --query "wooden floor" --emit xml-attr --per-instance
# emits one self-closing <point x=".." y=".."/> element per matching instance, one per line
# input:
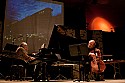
<point x="67" y="81"/>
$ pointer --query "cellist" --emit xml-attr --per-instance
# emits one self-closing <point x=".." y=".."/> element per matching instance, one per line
<point x="97" y="66"/>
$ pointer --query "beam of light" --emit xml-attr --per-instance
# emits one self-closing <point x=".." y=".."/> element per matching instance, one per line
<point x="101" y="24"/>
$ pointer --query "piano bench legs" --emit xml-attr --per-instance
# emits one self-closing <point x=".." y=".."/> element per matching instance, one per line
<point x="17" y="72"/>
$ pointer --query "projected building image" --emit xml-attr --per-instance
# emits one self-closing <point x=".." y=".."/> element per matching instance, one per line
<point x="31" y="21"/>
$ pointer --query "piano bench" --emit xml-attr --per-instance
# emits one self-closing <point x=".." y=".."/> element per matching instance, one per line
<point x="17" y="72"/>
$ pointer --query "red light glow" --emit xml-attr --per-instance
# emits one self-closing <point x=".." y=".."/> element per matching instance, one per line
<point x="101" y="24"/>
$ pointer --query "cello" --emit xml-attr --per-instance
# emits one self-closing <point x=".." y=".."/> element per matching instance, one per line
<point x="97" y="64"/>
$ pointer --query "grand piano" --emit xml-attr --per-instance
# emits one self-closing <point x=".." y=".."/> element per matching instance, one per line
<point x="58" y="44"/>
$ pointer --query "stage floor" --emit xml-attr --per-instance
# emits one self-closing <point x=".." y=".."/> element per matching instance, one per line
<point x="68" y="81"/>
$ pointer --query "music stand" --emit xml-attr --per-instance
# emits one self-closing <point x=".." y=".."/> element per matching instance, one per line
<point x="79" y="50"/>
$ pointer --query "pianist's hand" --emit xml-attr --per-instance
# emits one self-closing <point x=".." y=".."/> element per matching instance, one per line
<point x="32" y="58"/>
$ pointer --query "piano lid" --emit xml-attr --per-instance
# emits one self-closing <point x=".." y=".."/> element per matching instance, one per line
<point x="60" y="41"/>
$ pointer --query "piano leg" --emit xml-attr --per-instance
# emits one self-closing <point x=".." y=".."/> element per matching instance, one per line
<point x="40" y="72"/>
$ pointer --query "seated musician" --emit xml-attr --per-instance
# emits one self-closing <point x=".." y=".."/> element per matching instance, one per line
<point x="22" y="53"/>
<point x="97" y="65"/>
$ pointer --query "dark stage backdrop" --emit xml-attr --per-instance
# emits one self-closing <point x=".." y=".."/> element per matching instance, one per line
<point x="114" y="44"/>
<point x="2" y="14"/>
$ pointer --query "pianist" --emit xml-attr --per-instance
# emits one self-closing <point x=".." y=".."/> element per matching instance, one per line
<point x="22" y="54"/>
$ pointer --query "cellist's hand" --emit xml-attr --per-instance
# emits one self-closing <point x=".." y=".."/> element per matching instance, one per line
<point x="91" y="54"/>
<point x="97" y="50"/>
